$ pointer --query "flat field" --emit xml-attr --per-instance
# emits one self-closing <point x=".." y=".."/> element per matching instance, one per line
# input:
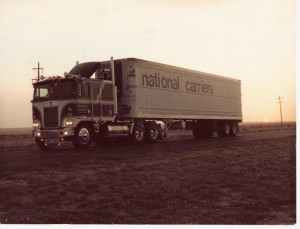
<point x="183" y="181"/>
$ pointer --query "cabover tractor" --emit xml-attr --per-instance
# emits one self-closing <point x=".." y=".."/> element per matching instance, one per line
<point x="134" y="99"/>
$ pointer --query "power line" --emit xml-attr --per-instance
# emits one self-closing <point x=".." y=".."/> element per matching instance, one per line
<point x="280" y="102"/>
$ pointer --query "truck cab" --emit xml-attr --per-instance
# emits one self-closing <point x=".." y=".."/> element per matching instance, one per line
<point x="72" y="107"/>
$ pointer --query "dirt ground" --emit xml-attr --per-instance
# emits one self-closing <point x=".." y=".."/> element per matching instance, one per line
<point x="12" y="139"/>
<point x="231" y="182"/>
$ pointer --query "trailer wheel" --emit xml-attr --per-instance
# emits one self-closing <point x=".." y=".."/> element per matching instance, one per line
<point x="152" y="132"/>
<point x="82" y="136"/>
<point x="41" y="144"/>
<point x="138" y="133"/>
<point x="233" y="129"/>
<point x="223" y="129"/>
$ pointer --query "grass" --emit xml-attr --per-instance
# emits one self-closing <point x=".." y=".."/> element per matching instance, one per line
<point x="266" y="126"/>
<point x="15" y="131"/>
<point x="243" y="183"/>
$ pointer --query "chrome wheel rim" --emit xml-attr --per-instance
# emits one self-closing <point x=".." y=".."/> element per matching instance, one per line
<point x="84" y="135"/>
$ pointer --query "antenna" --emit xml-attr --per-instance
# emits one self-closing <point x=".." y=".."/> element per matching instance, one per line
<point x="280" y="102"/>
<point x="38" y="68"/>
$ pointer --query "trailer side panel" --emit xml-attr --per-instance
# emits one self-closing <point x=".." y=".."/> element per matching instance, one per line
<point x="155" y="90"/>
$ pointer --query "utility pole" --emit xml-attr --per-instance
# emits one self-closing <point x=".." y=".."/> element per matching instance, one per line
<point x="280" y="102"/>
<point x="38" y="68"/>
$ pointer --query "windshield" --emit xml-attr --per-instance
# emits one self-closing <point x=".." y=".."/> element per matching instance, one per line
<point x="54" y="90"/>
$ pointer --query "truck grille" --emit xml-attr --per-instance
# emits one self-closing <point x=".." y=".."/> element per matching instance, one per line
<point x="50" y="117"/>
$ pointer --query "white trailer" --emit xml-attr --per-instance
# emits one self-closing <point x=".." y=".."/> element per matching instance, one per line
<point x="135" y="98"/>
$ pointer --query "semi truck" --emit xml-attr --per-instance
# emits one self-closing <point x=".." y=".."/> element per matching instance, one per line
<point x="132" y="98"/>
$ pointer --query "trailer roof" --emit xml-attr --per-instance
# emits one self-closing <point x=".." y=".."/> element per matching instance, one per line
<point x="179" y="68"/>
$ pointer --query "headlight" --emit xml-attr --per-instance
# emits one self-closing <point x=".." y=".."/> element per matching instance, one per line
<point x="69" y="122"/>
<point x="36" y="124"/>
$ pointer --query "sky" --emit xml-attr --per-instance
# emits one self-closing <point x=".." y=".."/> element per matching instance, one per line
<point x="250" y="40"/>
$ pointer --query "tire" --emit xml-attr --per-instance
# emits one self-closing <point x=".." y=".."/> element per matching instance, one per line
<point x="233" y="129"/>
<point x="152" y="132"/>
<point x="138" y="134"/>
<point x="82" y="136"/>
<point x="41" y="144"/>
<point x="223" y="129"/>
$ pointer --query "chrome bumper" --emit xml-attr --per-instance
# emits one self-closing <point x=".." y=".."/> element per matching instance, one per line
<point x="57" y="133"/>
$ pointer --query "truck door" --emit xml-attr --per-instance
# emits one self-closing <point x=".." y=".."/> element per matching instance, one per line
<point x="95" y="89"/>
<point x="107" y="100"/>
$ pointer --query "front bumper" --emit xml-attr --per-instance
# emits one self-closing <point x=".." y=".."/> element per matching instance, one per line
<point x="53" y="134"/>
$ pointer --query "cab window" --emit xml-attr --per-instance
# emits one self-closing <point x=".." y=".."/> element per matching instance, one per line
<point x="83" y="90"/>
